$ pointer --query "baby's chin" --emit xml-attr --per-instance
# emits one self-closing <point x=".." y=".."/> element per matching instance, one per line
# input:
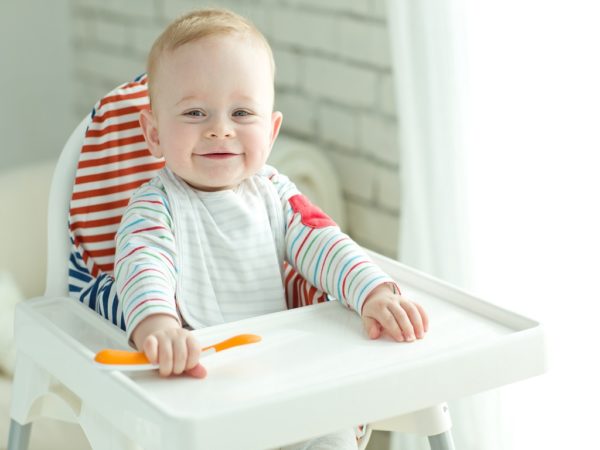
<point x="213" y="185"/>
<point x="220" y="177"/>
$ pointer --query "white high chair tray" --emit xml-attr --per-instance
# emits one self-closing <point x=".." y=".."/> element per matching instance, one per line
<point x="315" y="371"/>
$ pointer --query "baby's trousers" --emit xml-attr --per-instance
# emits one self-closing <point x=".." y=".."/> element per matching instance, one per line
<point x="341" y="440"/>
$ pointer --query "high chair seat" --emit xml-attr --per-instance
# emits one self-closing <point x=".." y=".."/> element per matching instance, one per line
<point x="314" y="372"/>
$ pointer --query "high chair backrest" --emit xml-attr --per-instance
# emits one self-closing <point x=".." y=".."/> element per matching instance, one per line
<point x="103" y="162"/>
<point x="59" y="247"/>
<point x="114" y="161"/>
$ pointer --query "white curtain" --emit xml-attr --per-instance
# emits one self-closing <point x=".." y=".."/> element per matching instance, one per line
<point x="427" y="43"/>
<point x="424" y="39"/>
<point x="499" y="111"/>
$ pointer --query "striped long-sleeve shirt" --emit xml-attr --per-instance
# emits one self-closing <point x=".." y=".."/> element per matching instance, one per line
<point x="209" y="258"/>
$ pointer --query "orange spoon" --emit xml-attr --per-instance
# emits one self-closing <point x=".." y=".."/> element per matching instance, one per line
<point x="112" y="359"/>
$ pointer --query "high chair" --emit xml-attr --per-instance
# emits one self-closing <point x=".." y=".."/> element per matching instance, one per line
<point x="315" y="371"/>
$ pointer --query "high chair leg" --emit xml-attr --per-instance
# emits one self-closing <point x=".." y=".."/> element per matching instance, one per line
<point x="433" y="422"/>
<point x="35" y="394"/>
<point x="29" y="382"/>
<point x="18" y="436"/>
<point x="442" y="441"/>
<point x="102" y="435"/>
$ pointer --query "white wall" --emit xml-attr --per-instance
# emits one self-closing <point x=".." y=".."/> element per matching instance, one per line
<point x="36" y="114"/>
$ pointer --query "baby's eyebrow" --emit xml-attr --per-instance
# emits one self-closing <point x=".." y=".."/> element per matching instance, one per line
<point x="188" y="98"/>
<point x="239" y="98"/>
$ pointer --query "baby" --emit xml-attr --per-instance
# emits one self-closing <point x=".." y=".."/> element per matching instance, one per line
<point x="205" y="241"/>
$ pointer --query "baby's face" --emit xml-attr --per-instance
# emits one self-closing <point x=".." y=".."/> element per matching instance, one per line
<point x="212" y="111"/>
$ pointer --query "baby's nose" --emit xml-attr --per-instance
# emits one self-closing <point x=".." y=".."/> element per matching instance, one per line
<point x="219" y="129"/>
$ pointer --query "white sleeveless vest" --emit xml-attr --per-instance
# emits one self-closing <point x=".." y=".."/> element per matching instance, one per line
<point x="230" y="250"/>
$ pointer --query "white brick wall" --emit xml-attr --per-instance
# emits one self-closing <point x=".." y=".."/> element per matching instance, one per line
<point x="374" y="228"/>
<point x="294" y="105"/>
<point x="378" y="137"/>
<point x="357" y="175"/>
<point x="364" y="42"/>
<point x="340" y="82"/>
<point x="306" y="30"/>
<point x="334" y="84"/>
<point x="288" y="68"/>
<point x="386" y="99"/>
<point x="338" y="126"/>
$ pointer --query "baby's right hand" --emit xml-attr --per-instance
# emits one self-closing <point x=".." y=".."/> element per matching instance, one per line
<point x="173" y="348"/>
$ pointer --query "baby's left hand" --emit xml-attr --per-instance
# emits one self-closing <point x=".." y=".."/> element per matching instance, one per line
<point x="389" y="312"/>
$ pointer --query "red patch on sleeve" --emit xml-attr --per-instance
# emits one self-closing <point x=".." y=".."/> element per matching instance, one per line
<point x="310" y="215"/>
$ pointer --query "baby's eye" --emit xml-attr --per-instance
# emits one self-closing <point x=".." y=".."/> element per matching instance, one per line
<point x="194" y="113"/>
<point x="241" y="113"/>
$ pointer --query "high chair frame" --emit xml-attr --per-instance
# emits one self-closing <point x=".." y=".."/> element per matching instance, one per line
<point x="315" y="371"/>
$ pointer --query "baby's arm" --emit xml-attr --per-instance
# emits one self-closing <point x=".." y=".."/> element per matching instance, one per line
<point x="145" y="278"/>
<point x="335" y="264"/>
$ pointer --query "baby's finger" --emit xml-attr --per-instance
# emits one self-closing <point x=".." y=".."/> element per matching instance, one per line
<point x="198" y="371"/>
<point x="180" y="355"/>
<point x="391" y="324"/>
<point x="151" y="349"/>
<point x="424" y="317"/>
<point x="165" y="357"/>
<point x="415" y="318"/>
<point x="193" y="352"/>
<point x="403" y="321"/>
<point x="372" y="327"/>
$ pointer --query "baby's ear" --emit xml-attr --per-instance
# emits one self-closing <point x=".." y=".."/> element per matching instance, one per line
<point x="276" y="119"/>
<point x="150" y="130"/>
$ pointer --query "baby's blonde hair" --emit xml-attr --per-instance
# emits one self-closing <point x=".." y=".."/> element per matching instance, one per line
<point x="200" y="24"/>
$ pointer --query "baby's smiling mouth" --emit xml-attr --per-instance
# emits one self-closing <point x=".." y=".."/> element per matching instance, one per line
<point x="217" y="155"/>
